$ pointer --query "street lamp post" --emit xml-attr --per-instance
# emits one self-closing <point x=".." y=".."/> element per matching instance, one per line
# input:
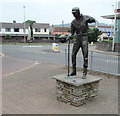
<point x="114" y="26"/>
<point x="24" y="25"/>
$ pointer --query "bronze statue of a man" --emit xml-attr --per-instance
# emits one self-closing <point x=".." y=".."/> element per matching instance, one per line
<point x="80" y="26"/>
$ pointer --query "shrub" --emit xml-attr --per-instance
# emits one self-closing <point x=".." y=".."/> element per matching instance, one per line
<point x="107" y="40"/>
<point x="8" y="37"/>
<point x="93" y="37"/>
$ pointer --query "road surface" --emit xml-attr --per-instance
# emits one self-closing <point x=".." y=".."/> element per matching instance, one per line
<point x="39" y="53"/>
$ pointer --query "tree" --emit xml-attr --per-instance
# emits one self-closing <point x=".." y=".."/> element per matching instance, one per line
<point x="30" y="21"/>
<point x="94" y="36"/>
<point x="8" y="37"/>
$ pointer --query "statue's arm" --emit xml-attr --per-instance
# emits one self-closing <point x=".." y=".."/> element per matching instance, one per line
<point x="90" y="19"/>
<point x="72" y="29"/>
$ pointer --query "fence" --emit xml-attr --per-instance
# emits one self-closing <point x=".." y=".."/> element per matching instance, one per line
<point x="98" y="62"/>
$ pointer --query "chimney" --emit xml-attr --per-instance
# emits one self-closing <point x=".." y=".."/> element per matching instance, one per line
<point x="14" y="21"/>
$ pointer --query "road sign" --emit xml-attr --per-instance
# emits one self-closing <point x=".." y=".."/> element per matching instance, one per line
<point x="108" y="33"/>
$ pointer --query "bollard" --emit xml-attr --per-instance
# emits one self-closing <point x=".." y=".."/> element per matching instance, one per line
<point x="55" y="47"/>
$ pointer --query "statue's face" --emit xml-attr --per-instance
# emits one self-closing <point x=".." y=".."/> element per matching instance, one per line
<point x="76" y="13"/>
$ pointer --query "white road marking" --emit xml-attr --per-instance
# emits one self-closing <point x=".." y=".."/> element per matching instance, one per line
<point x="23" y="69"/>
<point x="37" y="62"/>
<point x="32" y="46"/>
<point x="43" y="52"/>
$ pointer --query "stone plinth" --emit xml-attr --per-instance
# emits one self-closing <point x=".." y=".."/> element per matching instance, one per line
<point x="75" y="90"/>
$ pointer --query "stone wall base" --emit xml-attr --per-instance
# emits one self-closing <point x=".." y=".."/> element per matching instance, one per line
<point x="76" y="91"/>
<point x="105" y="46"/>
<point x="117" y="47"/>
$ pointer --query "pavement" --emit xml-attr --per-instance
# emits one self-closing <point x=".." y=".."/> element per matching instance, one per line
<point x="93" y="48"/>
<point x="11" y="65"/>
<point x="33" y="91"/>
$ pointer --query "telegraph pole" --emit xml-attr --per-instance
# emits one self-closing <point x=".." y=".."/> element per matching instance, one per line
<point x="24" y="25"/>
<point x="62" y="27"/>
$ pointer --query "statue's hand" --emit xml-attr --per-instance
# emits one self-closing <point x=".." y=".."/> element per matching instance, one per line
<point x="62" y="38"/>
<point x="69" y="37"/>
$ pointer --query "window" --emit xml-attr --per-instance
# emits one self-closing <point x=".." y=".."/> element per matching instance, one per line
<point x="45" y="30"/>
<point x="7" y="29"/>
<point x="16" y="29"/>
<point x="37" y="29"/>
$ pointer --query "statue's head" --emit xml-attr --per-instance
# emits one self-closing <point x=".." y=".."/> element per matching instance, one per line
<point x="76" y="12"/>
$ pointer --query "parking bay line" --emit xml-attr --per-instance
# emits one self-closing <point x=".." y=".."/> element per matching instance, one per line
<point x="23" y="69"/>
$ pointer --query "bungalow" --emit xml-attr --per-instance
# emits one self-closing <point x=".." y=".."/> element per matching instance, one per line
<point x="17" y="31"/>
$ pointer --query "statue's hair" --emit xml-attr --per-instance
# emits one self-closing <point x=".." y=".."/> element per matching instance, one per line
<point x="76" y="8"/>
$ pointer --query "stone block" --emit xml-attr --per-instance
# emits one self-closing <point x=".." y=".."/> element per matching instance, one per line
<point x="75" y="90"/>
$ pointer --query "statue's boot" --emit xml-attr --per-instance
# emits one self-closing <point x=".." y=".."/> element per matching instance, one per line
<point x="84" y="73"/>
<point x="73" y="72"/>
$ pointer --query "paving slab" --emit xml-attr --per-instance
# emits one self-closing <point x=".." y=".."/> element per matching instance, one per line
<point x="33" y="91"/>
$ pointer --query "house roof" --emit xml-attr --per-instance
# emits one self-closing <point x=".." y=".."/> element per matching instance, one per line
<point x="12" y="25"/>
<point x="60" y="29"/>
<point x="104" y="28"/>
<point x="111" y="16"/>
<point x="21" y="25"/>
<point x="40" y="25"/>
<point x="101" y="26"/>
<point x="66" y="29"/>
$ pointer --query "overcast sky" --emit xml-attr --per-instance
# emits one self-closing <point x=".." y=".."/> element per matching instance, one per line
<point x="54" y="11"/>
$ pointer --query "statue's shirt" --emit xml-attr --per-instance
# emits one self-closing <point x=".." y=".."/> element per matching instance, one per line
<point x="80" y="25"/>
